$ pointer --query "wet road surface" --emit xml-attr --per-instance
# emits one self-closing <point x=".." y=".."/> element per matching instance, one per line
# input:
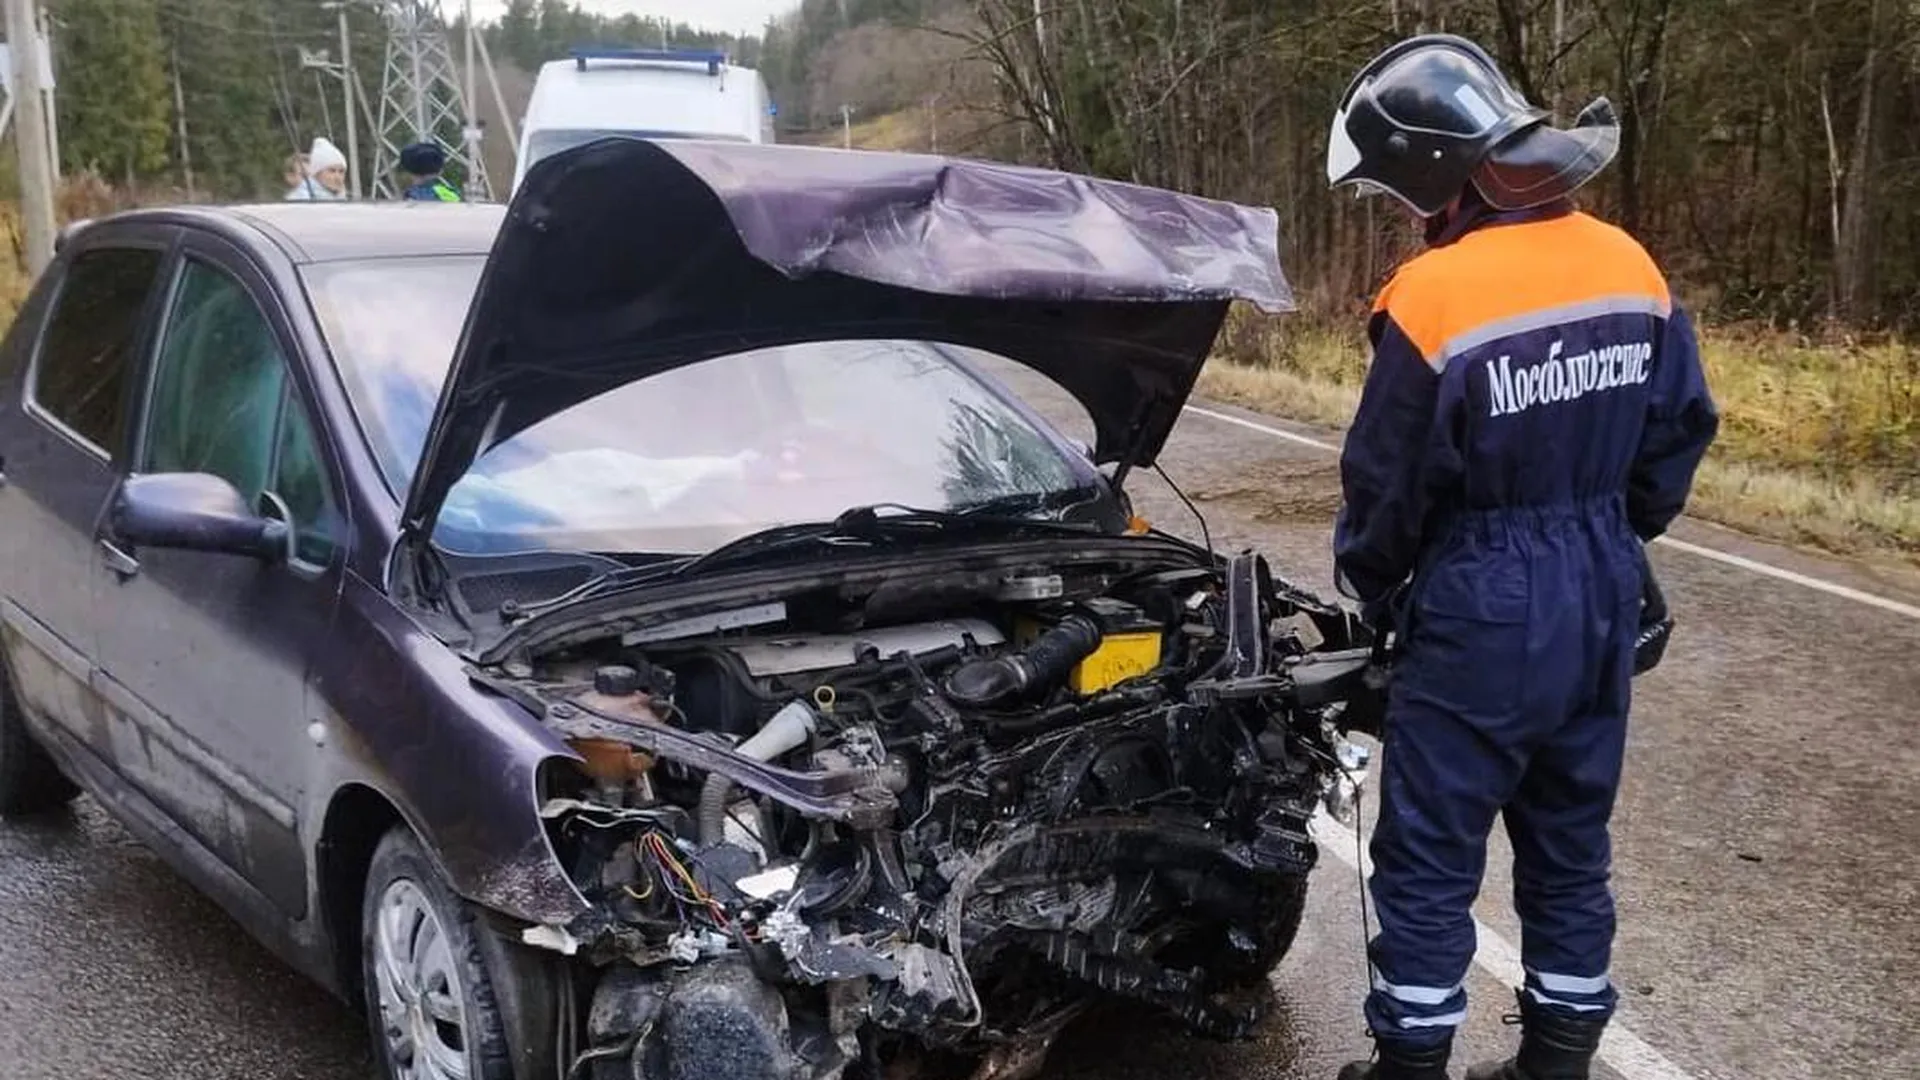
<point x="1763" y="866"/>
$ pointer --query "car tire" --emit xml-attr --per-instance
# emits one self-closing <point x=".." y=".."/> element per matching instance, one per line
<point x="1285" y="908"/>
<point x="30" y="783"/>
<point x="429" y="995"/>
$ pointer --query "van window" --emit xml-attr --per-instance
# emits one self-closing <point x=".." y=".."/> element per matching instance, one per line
<point x="80" y="376"/>
<point x="550" y="141"/>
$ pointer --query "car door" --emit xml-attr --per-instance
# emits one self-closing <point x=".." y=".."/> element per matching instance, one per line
<point x="203" y="657"/>
<point x="62" y="439"/>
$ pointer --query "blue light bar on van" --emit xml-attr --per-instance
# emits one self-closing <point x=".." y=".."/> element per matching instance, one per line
<point x="711" y="58"/>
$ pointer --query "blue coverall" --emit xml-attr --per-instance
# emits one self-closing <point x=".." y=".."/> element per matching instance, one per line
<point x="1534" y="412"/>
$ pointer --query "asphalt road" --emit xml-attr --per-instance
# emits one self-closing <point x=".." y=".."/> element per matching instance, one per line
<point x="1763" y="857"/>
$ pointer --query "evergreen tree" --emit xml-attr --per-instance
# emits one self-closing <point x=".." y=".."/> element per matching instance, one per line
<point x="115" y="100"/>
<point x="517" y="37"/>
<point x="223" y="54"/>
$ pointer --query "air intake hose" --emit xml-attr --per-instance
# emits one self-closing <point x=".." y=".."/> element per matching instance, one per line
<point x="787" y="731"/>
<point x="1042" y="665"/>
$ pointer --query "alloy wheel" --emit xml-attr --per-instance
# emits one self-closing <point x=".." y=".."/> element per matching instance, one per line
<point x="422" y="1004"/>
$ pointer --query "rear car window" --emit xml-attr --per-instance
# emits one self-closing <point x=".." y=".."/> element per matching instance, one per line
<point x="80" y="376"/>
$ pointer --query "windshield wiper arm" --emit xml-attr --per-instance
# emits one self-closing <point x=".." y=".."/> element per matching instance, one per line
<point x="859" y="525"/>
<point x="866" y="525"/>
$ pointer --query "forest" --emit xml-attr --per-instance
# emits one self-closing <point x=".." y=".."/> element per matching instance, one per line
<point x="1768" y="160"/>
<point x="207" y="98"/>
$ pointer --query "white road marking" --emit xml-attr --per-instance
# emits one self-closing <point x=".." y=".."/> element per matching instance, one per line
<point x="1264" y="429"/>
<point x="1844" y="592"/>
<point x="1828" y="587"/>
<point x="1627" y="1053"/>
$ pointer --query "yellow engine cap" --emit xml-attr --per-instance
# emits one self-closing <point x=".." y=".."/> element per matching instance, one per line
<point x="1120" y="657"/>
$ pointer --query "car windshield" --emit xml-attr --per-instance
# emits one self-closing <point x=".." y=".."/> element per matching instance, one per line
<point x="689" y="459"/>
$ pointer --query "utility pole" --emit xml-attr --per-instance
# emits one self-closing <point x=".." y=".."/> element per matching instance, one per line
<point x="346" y="90"/>
<point x="46" y="91"/>
<point x="470" y="130"/>
<point x="30" y="134"/>
<point x="319" y="62"/>
<point x="180" y="121"/>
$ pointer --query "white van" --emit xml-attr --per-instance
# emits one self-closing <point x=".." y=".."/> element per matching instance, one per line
<point x="645" y="93"/>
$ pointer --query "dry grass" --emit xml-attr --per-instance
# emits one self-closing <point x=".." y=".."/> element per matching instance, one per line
<point x="904" y="131"/>
<point x="1819" y="442"/>
<point x="82" y="195"/>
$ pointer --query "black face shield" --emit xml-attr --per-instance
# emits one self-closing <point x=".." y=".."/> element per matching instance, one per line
<point x="1432" y="114"/>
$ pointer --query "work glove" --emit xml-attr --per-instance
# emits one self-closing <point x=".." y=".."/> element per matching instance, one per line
<point x="1366" y="710"/>
<point x="1656" y="622"/>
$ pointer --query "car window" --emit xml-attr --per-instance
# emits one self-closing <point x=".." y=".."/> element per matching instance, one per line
<point x="687" y="459"/>
<point x="80" y="376"/>
<point x="300" y="479"/>
<point x="222" y="404"/>
<point x="216" y="400"/>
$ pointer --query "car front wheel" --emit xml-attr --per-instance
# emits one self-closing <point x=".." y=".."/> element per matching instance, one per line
<point x="30" y="783"/>
<point x="430" y="1000"/>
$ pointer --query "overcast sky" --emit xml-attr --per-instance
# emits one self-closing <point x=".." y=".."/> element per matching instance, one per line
<point x="738" y="16"/>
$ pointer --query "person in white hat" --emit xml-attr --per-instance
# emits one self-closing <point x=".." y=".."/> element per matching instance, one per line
<point x="326" y="174"/>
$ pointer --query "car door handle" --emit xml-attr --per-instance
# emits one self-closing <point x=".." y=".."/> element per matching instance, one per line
<point x="118" y="561"/>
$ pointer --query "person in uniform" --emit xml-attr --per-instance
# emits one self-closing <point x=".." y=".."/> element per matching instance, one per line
<point x="1533" y="415"/>
<point x="422" y="162"/>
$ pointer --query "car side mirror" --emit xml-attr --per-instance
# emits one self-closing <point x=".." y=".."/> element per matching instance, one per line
<point x="195" y="512"/>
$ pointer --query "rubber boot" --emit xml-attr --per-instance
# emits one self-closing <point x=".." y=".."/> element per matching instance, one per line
<point x="1396" y="1061"/>
<point x="1553" y="1046"/>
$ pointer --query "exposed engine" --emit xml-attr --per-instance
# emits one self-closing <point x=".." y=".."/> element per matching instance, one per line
<point x="816" y="839"/>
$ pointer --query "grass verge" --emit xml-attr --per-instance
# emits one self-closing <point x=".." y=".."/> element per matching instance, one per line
<point x="1819" y="441"/>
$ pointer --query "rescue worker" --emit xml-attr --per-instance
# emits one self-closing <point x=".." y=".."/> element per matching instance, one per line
<point x="1534" y="413"/>
<point x="422" y="162"/>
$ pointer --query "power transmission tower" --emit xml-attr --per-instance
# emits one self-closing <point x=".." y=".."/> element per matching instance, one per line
<point x="421" y="99"/>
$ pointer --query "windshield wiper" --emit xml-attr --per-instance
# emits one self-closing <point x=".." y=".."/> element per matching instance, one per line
<point x="868" y="525"/>
<point x="857" y="526"/>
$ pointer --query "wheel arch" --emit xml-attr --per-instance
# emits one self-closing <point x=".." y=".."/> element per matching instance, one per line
<point x="526" y="982"/>
<point x="357" y="818"/>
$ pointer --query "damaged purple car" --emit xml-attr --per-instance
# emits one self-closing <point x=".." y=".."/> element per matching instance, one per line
<point x="632" y="634"/>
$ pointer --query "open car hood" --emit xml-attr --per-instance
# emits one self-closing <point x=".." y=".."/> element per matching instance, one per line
<point x="626" y="258"/>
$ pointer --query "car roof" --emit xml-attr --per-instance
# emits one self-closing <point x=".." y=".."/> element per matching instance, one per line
<point x="308" y="232"/>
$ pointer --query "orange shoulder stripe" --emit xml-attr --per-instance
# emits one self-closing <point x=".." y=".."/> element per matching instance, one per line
<point x="1512" y="278"/>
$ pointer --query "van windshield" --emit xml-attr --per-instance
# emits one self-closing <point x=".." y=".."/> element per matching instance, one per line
<point x="550" y="141"/>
